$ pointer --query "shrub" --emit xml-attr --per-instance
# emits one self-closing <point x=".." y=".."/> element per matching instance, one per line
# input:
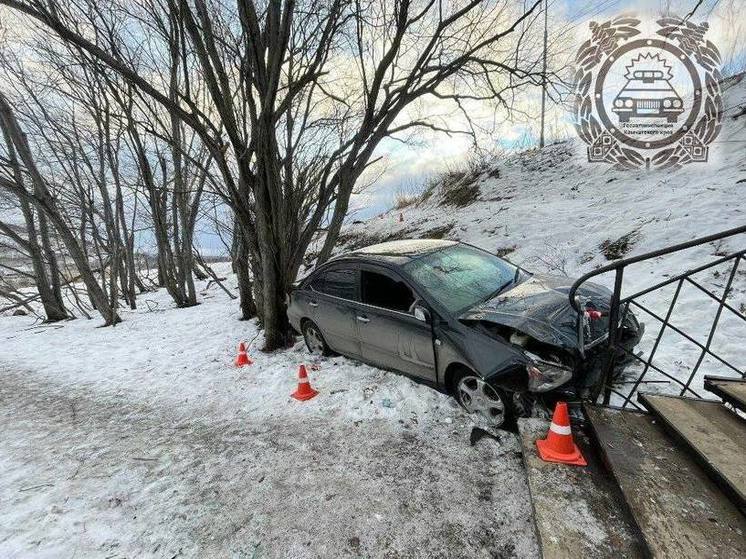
<point x="614" y="250"/>
<point x="459" y="194"/>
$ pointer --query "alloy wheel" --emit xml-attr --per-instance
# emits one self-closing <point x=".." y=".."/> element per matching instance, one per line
<point x="314" y="340"/>
<point x="478" y="397"/>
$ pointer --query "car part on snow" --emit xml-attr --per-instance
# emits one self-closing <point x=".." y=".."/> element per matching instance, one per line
<point x="477" y="434"/>
<point x="559" y="445"/>
<point x="242" y="358"/>
<point x="304" y="391"/>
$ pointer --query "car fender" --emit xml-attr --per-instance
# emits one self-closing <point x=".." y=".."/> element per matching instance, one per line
<point x="487" y="357"/>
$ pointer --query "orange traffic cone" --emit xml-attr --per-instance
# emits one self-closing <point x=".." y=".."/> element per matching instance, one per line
<point x="401" y="217"/>
<point x="242" y="358"/>
<point x="559" y="445"/>
<point x="304" y="392"/>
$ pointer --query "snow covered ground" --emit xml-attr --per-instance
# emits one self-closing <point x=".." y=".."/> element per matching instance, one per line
<point x="144" y="441"/>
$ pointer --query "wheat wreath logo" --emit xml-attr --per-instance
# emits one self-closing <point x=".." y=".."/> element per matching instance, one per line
<point x="648" y="102"/>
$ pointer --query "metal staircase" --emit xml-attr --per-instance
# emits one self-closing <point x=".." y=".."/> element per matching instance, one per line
<point x="674" y="446"/>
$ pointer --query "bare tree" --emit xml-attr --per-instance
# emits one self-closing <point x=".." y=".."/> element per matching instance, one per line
<point x="36" y="244"/>
<point x="40" y="195"/>
<point x="78" y="152"/>
<point x="299" y="96"/>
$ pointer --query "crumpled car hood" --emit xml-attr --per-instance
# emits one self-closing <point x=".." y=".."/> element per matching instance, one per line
<point x="540" y="308"/>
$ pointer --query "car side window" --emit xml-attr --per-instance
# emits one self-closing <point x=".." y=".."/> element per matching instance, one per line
<point x="339" y="282"/>
<point x="382" y="291"/>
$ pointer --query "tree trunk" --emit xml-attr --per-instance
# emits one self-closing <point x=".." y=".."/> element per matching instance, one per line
<point x="277" y="331"/>
<point x="240" y="263"/>
<point x="54" y="307"/>
<point x="48" y="204"/>
<point x="49" y="289"/>
<point x="52" y="264"/>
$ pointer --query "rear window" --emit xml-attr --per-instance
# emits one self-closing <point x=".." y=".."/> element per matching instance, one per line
<point x="339" y="282"/>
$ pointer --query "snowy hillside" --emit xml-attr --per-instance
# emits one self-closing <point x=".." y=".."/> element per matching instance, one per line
<point x="551" y="211"/>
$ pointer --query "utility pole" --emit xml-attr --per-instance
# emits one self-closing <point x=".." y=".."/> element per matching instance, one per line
<point x="544" y="76"/>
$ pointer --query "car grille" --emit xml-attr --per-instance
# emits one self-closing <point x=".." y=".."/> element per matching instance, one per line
<point x="648" y="104"/>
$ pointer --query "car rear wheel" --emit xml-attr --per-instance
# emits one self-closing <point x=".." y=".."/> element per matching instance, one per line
<point x="477" y="396"/>
<point x="314" y="339"/>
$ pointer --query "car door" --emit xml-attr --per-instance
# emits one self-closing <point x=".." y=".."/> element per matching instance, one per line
<point x="390" y="335"/>
<point x="332" y="298"/>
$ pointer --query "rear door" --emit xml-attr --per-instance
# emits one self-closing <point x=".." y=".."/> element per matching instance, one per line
<point x="332" y="299"/>
<point x="390" y="335"/>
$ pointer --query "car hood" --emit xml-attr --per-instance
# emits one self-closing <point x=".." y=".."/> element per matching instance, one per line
<point x="540" y="308"/>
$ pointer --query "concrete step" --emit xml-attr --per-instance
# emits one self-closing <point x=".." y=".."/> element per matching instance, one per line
<point x="714" y="435"/>
<point x="678" y="509"/>
<point x="578" y="511"/>
<point x="732" y="391"/>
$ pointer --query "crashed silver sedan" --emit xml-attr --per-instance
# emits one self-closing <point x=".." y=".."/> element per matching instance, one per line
<point x="499" y="338"/>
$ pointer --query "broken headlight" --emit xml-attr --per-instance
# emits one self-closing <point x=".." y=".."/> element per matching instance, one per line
<point x="544" y="376"/>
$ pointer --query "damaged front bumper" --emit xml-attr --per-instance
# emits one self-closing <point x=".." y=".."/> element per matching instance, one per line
<point x="629" y="329"/>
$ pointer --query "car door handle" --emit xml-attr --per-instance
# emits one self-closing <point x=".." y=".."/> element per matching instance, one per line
<point x="313" y="304"/>
<point x="363" y="319"/>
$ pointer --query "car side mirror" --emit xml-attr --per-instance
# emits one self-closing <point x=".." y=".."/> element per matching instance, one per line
<point x="422" y="314"/>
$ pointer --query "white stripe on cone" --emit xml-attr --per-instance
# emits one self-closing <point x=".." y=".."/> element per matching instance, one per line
<point x="560" y="429"/>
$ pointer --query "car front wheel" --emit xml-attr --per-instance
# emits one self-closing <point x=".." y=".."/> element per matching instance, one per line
<point x="315" y="341"/>
<point x="489" y="404"/>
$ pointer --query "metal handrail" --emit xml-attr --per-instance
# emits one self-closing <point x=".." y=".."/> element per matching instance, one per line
<point x="617" y="302"/>
<point x="624" y="262"/>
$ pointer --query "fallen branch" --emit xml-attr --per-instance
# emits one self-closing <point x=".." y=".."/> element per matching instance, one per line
<point x="215" y="278"/>
<point x="19" y="302"/>
<point x="36" y="486"/>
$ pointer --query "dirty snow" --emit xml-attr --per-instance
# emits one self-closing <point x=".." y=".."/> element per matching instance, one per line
<point x="144" y="441"/>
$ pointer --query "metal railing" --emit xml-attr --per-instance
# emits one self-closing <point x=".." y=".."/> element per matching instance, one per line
<point x="620" y="306"/>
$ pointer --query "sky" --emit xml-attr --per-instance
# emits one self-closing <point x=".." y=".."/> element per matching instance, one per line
<point x="408" y="168"/>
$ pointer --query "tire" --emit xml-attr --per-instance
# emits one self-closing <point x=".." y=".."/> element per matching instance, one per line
<point x="314" y="339"/>
<point x="491" y="405"/>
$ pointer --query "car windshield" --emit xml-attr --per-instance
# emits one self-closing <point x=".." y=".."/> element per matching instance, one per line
<point x="460" y="276"/>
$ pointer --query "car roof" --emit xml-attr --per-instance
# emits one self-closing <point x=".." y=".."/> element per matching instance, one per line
<point x="399" y="252"/>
